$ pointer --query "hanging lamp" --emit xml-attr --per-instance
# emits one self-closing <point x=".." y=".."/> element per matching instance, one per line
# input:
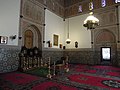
<point x="91" y="22"/>
<point x="68" y="40"/>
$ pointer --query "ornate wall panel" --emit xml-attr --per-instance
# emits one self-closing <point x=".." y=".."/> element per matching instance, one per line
<point x="32" y="11"/>
<point x="33" y="18"/>
<point x="68" y="3"/>
<point x="118" y="58"/>
<point x="110" y="2"/>
<point x="74" y="10"/>
<point x="59" y="6"/>
<point x="107" y="16"/>
<point x="85" y="6"/>
<point x="9" y="59"/>
<point x="97" y="4"/>
<point x="66" y="12"/>
<point x="49" y="4"/>
<point x="105" y="37"/>
<point x="56" y="6"/>
<point x="42" y="1"/>
<point x="37" y="33"/>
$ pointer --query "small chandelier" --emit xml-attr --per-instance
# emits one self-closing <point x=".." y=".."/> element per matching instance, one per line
<point x="68" y="40"/>
<point x="91" y="22"/>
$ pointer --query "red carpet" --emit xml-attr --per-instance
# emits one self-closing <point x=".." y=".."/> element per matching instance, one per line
<point x="83" y="69"/>
<point x="90" y="80"/>
<point x="80" y="69"/>
<point x="91" y="71"/>
<point x="79" y="78"/>
<point x="116" y="74"/>
<point x="19" y="78"/>
<point x="107" y="68"/>
<point x="80" y="66"/>
<point x="52" y="86"/>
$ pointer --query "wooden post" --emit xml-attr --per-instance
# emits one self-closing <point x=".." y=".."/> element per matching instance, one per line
<point x="54" y="69"/>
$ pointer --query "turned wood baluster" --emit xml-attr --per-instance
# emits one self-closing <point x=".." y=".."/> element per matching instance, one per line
<point x="67" y="67"/>
<point x="41" y="63"/>
<point x="49" y="73"/>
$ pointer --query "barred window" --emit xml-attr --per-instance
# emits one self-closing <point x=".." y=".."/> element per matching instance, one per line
<point x="80" y="9"/>
<point x="91" y="6"/>
<point x="117" y="1"/>
<point x="103" y="3"/>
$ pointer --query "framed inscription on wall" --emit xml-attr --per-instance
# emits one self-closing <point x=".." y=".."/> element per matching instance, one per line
<point x="55" y="40"/>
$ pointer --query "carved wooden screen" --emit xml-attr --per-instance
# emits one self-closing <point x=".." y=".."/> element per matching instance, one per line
<point x="28" y="40"/>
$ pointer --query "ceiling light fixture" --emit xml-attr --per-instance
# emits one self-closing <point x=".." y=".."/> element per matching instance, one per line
<point x="91" y="22"/>
<point x="68" y="40"/>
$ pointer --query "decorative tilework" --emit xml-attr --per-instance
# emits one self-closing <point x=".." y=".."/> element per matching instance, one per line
<point x="53" y="54"/>
<point x="9" y="59"/>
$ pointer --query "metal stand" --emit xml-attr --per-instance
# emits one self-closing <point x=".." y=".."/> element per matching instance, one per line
<point x="49" y="75"/>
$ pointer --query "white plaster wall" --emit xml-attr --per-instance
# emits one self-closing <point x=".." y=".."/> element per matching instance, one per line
<point x="9" y="19"/>
<point x="54" y="25"/>
<point x="78" y="33"/>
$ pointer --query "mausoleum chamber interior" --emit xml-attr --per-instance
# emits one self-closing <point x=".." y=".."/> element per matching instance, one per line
<point x="60" y="44"/>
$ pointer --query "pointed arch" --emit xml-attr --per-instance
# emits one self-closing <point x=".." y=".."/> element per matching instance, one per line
<point x="36" y="37"/>
<point x="105" y="36"/>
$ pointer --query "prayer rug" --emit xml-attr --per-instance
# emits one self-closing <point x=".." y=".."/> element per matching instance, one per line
<point x="116" y="74"/>
<point x="91" y="80"/>
<point x="52" y="86"/>
<point x="18" y="81"/>
<point x="19" y="78"/>
<point x="107" y="68"/>
<point x="80" y="66"/>
<point x="80" y="70"/>
<point x="4" y="86"/>
<point x="91" y="71"/>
